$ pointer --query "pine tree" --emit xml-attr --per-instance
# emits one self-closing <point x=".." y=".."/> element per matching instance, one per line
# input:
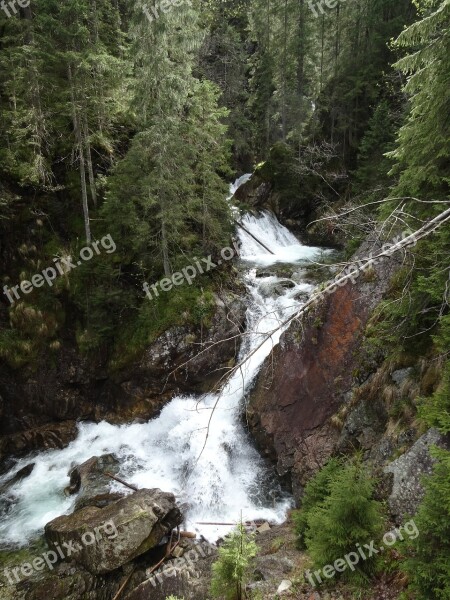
<point x="429" y="566"/>
<point x="177" y="203"/>
<point x="316" y="491"/>
<point x="424" y="166"/>
<point x="230" y="569"/>
<point x="347" y="517"/>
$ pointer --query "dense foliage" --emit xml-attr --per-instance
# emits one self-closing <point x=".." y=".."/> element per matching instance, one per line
<point x="339" y="514"/>
<point x="315" y="492"/>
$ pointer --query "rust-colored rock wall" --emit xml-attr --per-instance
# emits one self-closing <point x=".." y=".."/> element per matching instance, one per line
<point x="309" y="376"/>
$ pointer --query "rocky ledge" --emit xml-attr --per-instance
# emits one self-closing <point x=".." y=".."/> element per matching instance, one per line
<point x="318" y="393"/>
<point x="132" y="542"/>
<point x="39" y="408"/>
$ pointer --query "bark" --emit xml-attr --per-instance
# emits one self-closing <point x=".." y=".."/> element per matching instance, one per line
<point x="79" y="145"/>
<point x="90" y="168"/>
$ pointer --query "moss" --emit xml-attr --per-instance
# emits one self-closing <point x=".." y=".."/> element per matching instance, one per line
<point x="189" y="306"/>
<point x="14" y="558"/>
<point x="318" y="323"/>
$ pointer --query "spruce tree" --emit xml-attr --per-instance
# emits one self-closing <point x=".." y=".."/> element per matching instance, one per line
<point x="230" y="569"/>
<point x="316" y="490"/>
<point x="347" y="517"/>
<point x="429" y="564"/>
<point x="424" y="166"/>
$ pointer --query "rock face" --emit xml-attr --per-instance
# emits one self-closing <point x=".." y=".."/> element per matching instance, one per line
<point x="103" y="540"/>
<point x="408" y="470"/>
<point x="310" y="375"/>
<point x="187" y="577"/>
<point x="45" y="437"/>
<point x="39" y="408"/>
<point x="195" y="360"/>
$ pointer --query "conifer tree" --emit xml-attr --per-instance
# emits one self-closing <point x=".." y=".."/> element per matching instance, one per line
<point x="230" y="569"/>
<point x="429" y="565"/>
<point x="424" y="166"/>
<point x="316" y="490"/>
<point x="177" y="206"/>
<point x="347" y="517"/>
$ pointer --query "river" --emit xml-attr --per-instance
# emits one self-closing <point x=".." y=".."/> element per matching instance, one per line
<point x="217" y="481"/>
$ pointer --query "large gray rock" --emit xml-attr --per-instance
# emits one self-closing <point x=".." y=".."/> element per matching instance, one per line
<point x="90" y="482"/>
<point x="363" y="425"/>
<point x="104" y="539"/>
<point x="408" y="470"/>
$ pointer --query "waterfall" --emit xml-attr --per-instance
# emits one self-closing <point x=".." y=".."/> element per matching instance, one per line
<point x="228" y="476"/>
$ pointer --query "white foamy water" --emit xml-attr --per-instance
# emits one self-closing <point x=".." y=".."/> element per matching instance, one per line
<point x="285" y="246"/>
<point x="237" y="184"/>
<point x="218" y="476"/>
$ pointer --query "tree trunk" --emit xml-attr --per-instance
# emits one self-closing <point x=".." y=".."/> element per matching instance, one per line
<point x="165" y="249"/>
<point x="90" y="168"/>
<point x="284" y="108"/>
<point x="79" y="145"/>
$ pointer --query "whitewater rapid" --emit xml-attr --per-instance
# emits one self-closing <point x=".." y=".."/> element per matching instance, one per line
<point x="218" y="477"/>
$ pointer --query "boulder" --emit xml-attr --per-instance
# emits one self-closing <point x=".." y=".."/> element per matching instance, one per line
<point x="104" y="539"/>
<point x="408" y="471"/>
<point x="22" y="474"/>
<point x="276" y="287"/>
<point x="47" y="437"/>
<point x="90" y="482"/>
<point x="187" y="577"/>
<point x="401" y="375"/>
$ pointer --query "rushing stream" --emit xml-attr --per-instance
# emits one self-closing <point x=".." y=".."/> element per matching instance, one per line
<point x="230" y="476"/>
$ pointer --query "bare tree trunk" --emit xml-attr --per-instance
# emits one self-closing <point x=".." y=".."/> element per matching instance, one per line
<point x="79" y="144"/>
<point x="38" y="121"/>
<point x="90" y="168"/>
<point x="283" y="109"/>
<point x="165" y="249"/>
<point x="322" y="50"/>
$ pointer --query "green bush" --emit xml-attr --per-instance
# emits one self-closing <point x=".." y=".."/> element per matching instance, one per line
<point x="428" y="566"/>
<point x="230" y="569"/>
<point x="348" y="516"/>
<point x="316" y="490"/>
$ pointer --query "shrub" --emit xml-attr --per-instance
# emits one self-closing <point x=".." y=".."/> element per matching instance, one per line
<point x="316" y="490"/>
<point x="348" y="516"/>
<point x="428" y="566"/>
<point x="230" y="569"/>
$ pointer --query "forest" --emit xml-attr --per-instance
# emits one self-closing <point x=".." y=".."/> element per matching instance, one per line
<point x="122" y="125"/>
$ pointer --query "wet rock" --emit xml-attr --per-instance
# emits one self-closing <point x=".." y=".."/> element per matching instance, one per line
<point x="197" y="359"/>
<point x="276" y="288"/>
<point x="408" y="470"/>
<point x="90" y="482"/>
<point x="22" y="474"/>
<point x="47" y="437"/>
<point x="307" y="377"/>
<point x="105" y="539"/>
